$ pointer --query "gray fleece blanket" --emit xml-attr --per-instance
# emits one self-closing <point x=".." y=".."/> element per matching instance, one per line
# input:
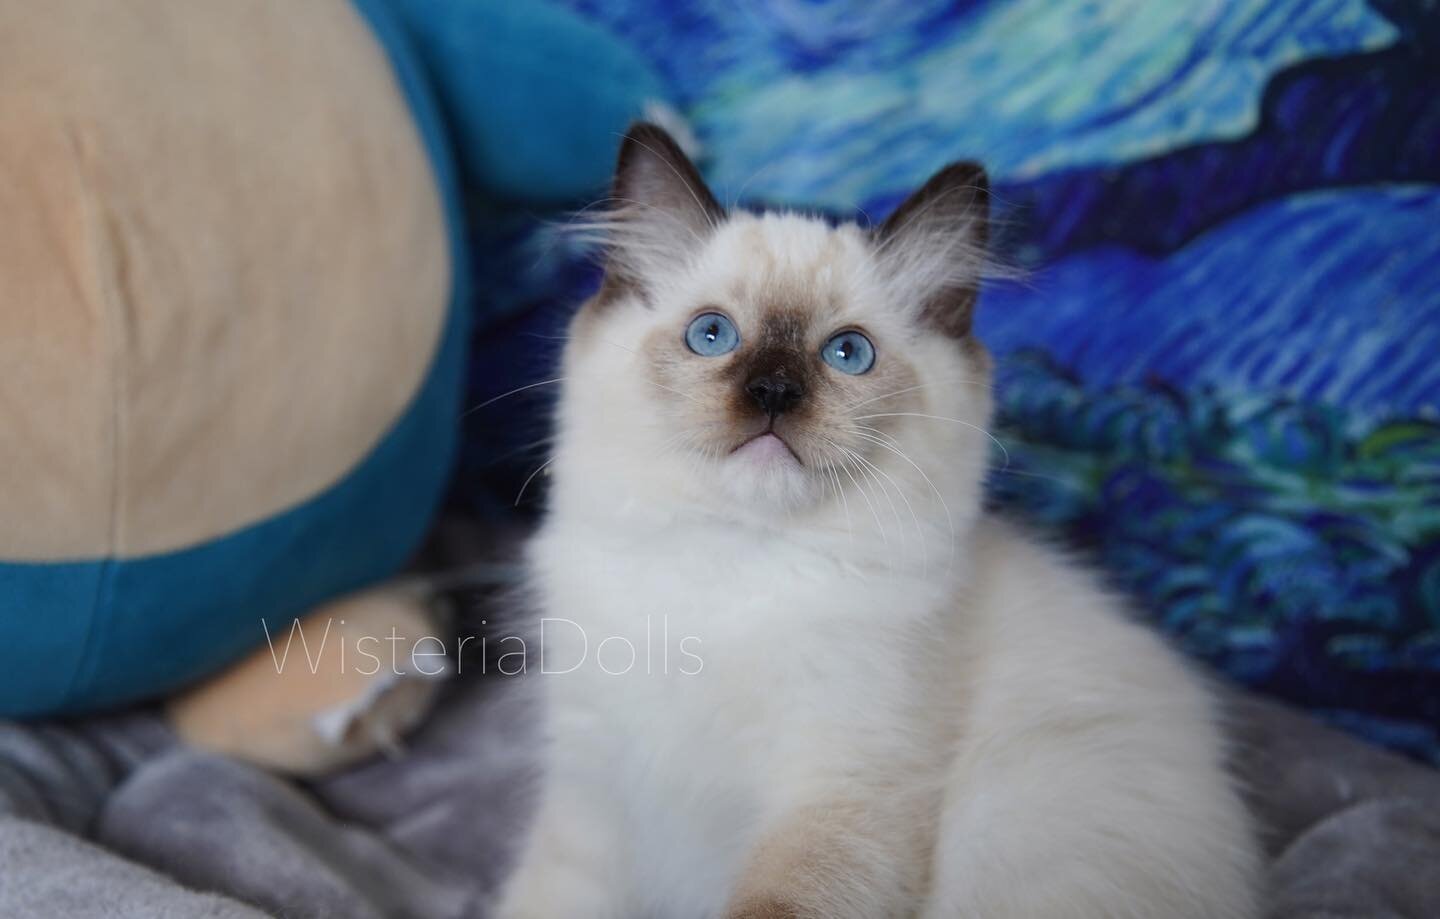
<point x="111" y="818"/>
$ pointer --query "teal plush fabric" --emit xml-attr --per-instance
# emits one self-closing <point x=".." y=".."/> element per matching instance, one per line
<point x="118" y="631"/>
<point x="98" y="633"/>
<point x="535" y="95"/>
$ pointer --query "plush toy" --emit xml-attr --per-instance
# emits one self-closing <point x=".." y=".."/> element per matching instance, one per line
<point x="536" y="97"/>
<point x="232" y="321"/>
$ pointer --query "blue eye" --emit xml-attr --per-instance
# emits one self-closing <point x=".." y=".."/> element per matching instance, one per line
<point x="711" y="335"/>
<point x="849" y="352"/>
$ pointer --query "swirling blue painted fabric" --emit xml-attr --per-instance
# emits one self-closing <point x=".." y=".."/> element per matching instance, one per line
<point x="1222" y="373"/>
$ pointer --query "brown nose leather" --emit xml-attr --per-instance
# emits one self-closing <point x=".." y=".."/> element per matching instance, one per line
<point x="775" y="394"/>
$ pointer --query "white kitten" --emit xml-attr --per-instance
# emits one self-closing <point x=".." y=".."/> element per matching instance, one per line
<point x="853" y="693"/>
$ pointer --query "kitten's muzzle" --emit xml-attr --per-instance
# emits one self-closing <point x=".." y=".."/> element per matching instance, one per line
<point x="775" y="393"/>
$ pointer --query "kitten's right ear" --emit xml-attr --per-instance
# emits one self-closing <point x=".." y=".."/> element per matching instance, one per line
<point x="661" y="210"/>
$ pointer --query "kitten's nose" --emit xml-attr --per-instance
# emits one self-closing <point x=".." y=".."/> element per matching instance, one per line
<point x="774" y="393"/>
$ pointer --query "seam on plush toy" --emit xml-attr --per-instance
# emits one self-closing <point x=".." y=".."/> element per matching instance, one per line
<point x="107" y="265"/>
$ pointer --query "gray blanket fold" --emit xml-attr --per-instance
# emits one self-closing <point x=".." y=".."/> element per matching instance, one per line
<point x="46" y="872"/>
<point x="110" y="818"/>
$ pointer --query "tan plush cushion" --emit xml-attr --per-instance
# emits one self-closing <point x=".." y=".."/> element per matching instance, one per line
<point x="223" y="266"/>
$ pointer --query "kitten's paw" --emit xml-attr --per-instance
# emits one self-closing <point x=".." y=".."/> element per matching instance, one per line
<point x="767" y="908"/>
<point x="310" y="717"/>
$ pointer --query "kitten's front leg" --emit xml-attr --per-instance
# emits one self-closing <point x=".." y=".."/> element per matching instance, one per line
<point x="838" y="861"/>
<point x="567" y="868"/>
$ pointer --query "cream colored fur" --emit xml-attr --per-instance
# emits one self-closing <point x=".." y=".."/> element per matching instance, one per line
<point x="903" y="706"/>
<point x="223" y="266"/>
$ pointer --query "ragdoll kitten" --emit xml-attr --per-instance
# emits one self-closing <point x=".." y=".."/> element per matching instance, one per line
<point x="849" y="692"/>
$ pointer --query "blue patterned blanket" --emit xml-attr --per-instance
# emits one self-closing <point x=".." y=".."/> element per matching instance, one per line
<point x="1221" y="371"/>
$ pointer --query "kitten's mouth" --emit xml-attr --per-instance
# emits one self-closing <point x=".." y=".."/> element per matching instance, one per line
<point x="767" y="446"/>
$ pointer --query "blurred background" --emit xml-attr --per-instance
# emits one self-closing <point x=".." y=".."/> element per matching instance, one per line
<point x="1220" y="372"/>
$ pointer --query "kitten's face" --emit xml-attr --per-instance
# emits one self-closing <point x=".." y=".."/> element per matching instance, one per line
<point x="769" y="354"/>
<point x="774" y="364"/>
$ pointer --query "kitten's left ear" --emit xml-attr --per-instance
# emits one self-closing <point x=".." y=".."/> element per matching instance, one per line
<point x="933" y="245"/>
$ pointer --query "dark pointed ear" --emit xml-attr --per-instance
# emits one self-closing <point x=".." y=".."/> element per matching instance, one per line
<point x="934" y="245"/>
<point x="661" y="210"/>
<point x="653" y="171"/>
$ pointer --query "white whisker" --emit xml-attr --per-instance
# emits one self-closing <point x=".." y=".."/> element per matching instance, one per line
<point x="914" y="517"/>
<point x="506" y="395"/>
<point x="918" y="386"/>
<point x="864" y="494"/>
<point x="944" y="505"/>
<point x="530" y="478"/>
<point x="967" y="424"/>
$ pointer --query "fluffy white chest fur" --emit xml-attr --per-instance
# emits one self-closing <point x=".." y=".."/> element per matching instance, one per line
<point x="763" y="675"/>
<point x="789" y="668"/>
